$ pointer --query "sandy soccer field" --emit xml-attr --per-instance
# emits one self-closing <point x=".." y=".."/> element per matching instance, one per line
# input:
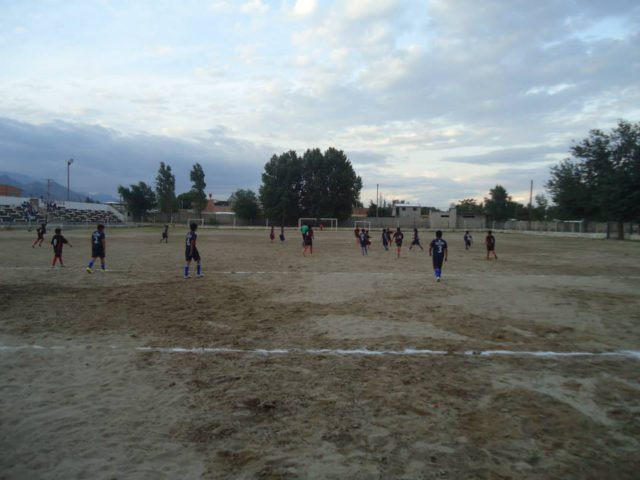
<point x="332" y="366"/>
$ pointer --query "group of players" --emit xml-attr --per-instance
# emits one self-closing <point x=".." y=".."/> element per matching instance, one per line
<point x="438" y="248"/>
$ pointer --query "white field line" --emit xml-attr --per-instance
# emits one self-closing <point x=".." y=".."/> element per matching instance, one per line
<point x="427" y="272"/>
<point x="632" y="354"/>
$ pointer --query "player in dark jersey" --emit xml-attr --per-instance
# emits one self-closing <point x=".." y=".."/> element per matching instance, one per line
<point x="191" y="251"/>
<point x="364" y="242"/>
<point x="282" y="233"/>
<point x="490" y="242"/>
<point x="272" y="234"/>
<point x="98" y="248"/>
<point x="307" y="241"/>
<point x="398" y="236"/>
<point x="385" y="240"/>
<point x="416" y="240"/>
<point x="439" y="252"/>
<point x="58" y="241"/>
<point x="467" y="240"/>
<point x="165" y="234"/>
<point x="40" y="231"/>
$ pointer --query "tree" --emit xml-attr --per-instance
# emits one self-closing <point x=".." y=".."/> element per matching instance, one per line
<point x="540" y="211"/>
<point x="602" y="180"/>
<point x="498" y="206"/>
<point x="281" y="187"/>
<point x="198" y="198"/>
<point x="138" y="198"/>
<point x="331" y="187"/>
<point x="245" y="204"/>
<point x="185" y="200"/>
<point x="166" y="189"/>
<point x="469" y="206"/>
<point x="316" y="185"/>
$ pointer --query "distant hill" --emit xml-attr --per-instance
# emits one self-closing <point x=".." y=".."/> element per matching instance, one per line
<point x="35" y="188"/>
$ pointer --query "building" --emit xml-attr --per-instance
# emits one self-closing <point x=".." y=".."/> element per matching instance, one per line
<point x="406" y="210"/>
<point x="452" y="219"/>
<point x="10" y="191"/>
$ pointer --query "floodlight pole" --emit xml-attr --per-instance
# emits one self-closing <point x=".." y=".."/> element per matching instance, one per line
<point x="377" y="199"/>
<point x="69" y="162"/>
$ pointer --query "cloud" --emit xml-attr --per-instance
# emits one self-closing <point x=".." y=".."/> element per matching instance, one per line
<point x="522" y="155"/>
<point x="303" y="8"/>
<point x="106" y="158"/>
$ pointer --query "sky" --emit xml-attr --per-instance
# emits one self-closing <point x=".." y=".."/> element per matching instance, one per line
<point x="433" y="100"/>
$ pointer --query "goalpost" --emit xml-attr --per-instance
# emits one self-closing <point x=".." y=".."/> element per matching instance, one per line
<point x="365" y="224"/>
<point x="333" y="223"/>
<point x="327" y="223"/>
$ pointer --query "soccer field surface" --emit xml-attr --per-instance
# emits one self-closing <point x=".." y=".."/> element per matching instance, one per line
<point x="333" y="365"/>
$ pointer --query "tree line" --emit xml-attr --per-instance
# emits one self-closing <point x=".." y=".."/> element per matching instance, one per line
<point x="317" y="184"/>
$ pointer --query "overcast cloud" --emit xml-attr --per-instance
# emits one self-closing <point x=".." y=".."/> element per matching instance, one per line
<point x="434" y="101"/>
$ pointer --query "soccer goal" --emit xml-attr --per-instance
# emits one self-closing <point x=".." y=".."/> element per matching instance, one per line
<point x="199" y="221"/>
<point x="329" y="223"/>
<point x="362" y="224"/>
<point x="312" y="222"/>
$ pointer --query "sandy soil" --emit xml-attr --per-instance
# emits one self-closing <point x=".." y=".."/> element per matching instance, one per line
<point x="78" y="399"/>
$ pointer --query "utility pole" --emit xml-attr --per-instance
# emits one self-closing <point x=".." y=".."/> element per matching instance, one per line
<point x="377" y="199"/>
<point x="69" y="162"/>
<point x="530" y="204"/>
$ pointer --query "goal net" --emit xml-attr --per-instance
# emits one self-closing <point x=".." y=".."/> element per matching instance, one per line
<point x="362" y="224"/>
<point x="329" y="223"/>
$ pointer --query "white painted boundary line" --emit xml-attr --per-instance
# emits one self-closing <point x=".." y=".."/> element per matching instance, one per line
<point x="289" y="272"/>
<point x="633" y="354"/>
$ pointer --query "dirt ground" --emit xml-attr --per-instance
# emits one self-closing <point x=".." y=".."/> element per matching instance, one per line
<point x="79" y="398"/>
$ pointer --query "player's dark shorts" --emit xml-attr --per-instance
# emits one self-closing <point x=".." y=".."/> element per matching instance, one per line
<point x="491" y="248"/>
<point x="195" y="256"/>
<point x="398" y="243"/>
<point x="97" y="252"/>
<point x="438" y="260"/>
<point x="415" y="242"/>
<point x="307" y="241"/>
<point x="40" y="236"/>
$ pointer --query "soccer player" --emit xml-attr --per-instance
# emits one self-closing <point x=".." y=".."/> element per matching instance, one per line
<point x="385" y="240"/>
<point x="467" y="240"/>
<point x="98" y="248"/>
<point x="58" y="241"/>
<point x="191" y="251"/>
<point x="40" y="232"/>
<point x="272" y="234"/>
<point x="303" y="230"/>
<point x="490" y="242"/>
<point x="356" y="232"/>
<point x="165" y="234"/>
<point x="282" y="233"/>
<point x="364" y="241"/>
<point x="398" y="236"/>
<point x="416" y="240"/>
<point x="439" y="252"/>
<point x="307" y="241"/>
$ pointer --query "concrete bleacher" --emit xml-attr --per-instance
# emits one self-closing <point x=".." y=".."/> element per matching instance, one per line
<point x="74" y="215"/>
<point x="12" y="212"/>
<point x="15" y="214"/>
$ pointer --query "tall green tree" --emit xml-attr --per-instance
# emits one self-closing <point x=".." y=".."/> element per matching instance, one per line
<point x="331" y="187"/>
<point x="245" y="204"/>
<point x="139" y="199"/>
<point x="605" y="171"/>
<point x="166" y="189"/>
<point x="469" y="206"/>
<point x="499" y="205"/>
<point x="281" y="187"/>
<point x="198" y="197"/>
